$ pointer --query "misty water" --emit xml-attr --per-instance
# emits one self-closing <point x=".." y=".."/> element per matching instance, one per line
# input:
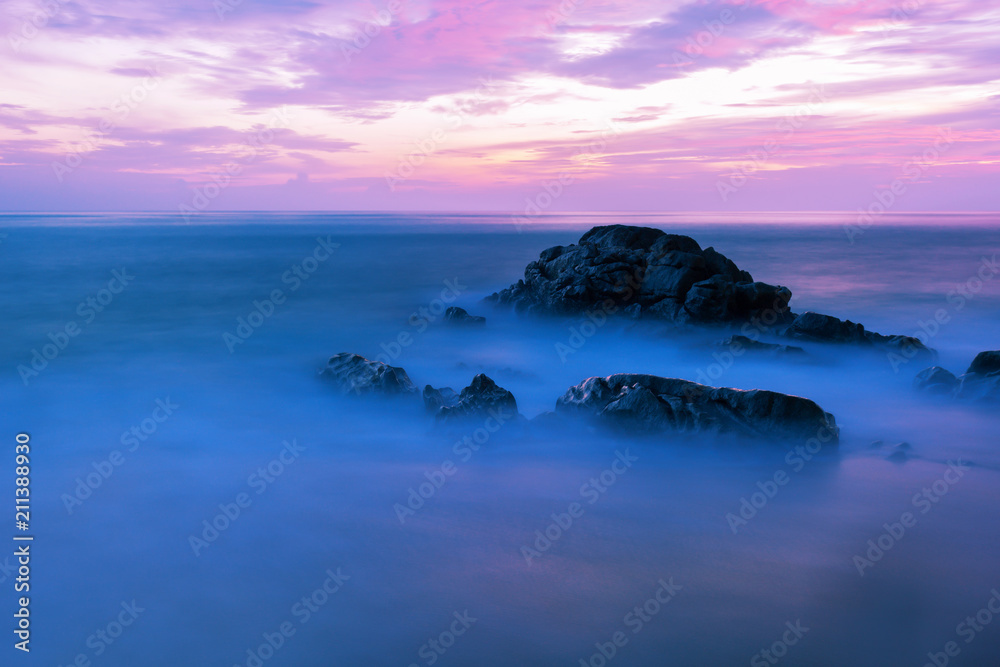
<point x="334" y="505"/>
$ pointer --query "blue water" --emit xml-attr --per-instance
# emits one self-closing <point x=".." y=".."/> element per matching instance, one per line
<point x="332" y="503"/>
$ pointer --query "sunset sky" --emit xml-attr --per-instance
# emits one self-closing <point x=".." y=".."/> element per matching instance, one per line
<point x="567" y="105"/>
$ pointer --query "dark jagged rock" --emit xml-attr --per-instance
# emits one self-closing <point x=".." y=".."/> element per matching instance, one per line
<point x="985" y="363"/>
<point x="353" y="374"/>
<point x="435" y="399"/>
<point x="828" y="329"/>
<point x="651" y="405"/>
<point x="482" y="399"/>
<point x="935" y="380"/>
<point x="745" y="343"/>
<point x="982" y="379"/>
<point x="456" y="315"/>
<point x="668" y="276"/>
<point x="981" y="382"/>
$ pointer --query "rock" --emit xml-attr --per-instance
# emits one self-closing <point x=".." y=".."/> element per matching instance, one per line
<point x="977" y="387"/>
<point x="935" y="380"/>
<point x="825" y="329"/>
<point x="641" y="270"/>
<point x="745" y="343"/>
<point x="456" y="315"/>
<point x="633" y="312"/>
<point x="985" y="363"/>
<point x="435" y="399"/>
<point x="828" y="329"/>
<point x="981" y="381"/>
<point x="650" y="404"/>
<point x="482" y="399"/>
<point x="352" y="373"/>
<point x="900" y="452"/>
<point x="669" y="277"/>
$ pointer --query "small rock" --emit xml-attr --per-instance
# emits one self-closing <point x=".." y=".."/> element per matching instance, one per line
<point x="456" y="315"/>
<point x="935" y="380"/>
<point x="482" y="399"/>
<point x="745" y="343"/>
<point x="900" y="452"/>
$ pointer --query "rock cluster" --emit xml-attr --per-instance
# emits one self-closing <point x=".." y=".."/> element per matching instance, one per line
<point x="631" y="403"/>
<point x="980" y="382"/>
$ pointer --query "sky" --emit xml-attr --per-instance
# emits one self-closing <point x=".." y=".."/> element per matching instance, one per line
<point x="521" y="106"/>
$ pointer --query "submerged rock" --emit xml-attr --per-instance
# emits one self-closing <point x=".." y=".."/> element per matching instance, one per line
<point x="650" y="404"/>
<point x="353" y="374"/>
<point x="828" y="329"/>
<point x="456" y="315"/>
<point x="935" y="380"/>
<point x="981" y="381"/>
<point x="900" y="452"/>
<point x="744" y="343"/>
<point x="641" y="270"/>
<point x="482" y="399"/>
<point x="435" y="399"/>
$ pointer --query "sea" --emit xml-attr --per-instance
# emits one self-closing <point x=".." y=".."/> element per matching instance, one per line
<point x="200" y="496"/>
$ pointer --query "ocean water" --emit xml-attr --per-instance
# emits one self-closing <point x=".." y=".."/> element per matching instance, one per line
<point x="318" y="480"/>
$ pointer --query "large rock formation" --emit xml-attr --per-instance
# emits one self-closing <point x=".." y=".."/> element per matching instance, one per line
<point x="981" y="381"/>
<point x="645" y="272"/>
<point x="353" y="374"/>
<point x="667" y="276"/>
<point x="650" y="404"/>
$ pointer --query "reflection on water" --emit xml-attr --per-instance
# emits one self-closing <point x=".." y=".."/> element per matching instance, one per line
<point x="332" y="506"/>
